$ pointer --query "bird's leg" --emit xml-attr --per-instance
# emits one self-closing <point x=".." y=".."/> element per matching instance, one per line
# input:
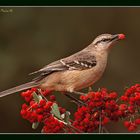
<point x="90" y="89"/>
<point x="78" y="93"/>
<point x="74" y="99"/>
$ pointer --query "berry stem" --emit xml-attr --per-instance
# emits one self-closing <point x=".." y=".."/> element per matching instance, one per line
<point x="105" y="130"/>
<point x="39" y="91"/>
<point x="69" y="125"/>
<point x="75" y="99"/>
<point x="100" y="123"/>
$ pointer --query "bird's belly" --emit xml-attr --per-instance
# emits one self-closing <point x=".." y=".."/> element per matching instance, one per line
<point x="85" y="78"/>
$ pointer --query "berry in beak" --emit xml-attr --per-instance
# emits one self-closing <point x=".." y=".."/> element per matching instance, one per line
<point x="121" y="36"/>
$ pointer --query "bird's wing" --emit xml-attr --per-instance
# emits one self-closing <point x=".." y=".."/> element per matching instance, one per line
<point x="79" y="61"/>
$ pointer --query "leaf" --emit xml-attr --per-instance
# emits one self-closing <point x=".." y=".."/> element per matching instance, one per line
<point x="67" y="117"/>
<point x="55" y="111"/>
<point x="35" y="125"/>
<point x="40" y="97"/>
<point x="36" y="97"/>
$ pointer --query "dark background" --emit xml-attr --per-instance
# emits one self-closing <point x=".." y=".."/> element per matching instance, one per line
<point x="31" y="37"/>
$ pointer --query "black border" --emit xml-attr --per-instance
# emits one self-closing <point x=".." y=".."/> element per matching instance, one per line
<point x="70" y="136"/>
<point x="70" y="2"/>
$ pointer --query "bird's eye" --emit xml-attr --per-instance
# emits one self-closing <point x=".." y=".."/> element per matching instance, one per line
<point x="105" y="39"/>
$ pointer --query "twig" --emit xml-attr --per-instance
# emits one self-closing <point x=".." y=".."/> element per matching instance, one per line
<point x="39" y="91"/>
<point x="106" y="131"/>
<point x="75" y="99"/>
<point x="69" y="125"/>
<point x="100" y="123"/>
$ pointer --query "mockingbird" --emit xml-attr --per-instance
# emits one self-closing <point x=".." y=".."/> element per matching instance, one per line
<point x="75" y="72"/>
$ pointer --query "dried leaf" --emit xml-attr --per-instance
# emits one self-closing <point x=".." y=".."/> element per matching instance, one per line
<point x="35" y="125"/>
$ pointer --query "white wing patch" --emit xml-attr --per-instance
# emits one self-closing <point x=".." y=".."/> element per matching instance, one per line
<point x="74" y="65"/>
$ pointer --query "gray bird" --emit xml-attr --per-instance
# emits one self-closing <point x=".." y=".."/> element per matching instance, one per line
<point x="75" y="72"/>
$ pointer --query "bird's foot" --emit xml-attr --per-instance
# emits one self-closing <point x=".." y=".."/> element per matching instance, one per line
<point x="90" y="89"/>
<point x="78" y="93"/>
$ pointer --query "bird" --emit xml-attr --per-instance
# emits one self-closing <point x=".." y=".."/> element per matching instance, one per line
<point x="75" y="72"/>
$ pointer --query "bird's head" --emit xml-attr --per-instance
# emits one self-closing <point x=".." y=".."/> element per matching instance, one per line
<point x="106" y="41"/>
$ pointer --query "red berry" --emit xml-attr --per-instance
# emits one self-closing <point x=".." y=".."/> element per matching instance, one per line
<point x="39" y="110"/>
<point x="32" y="102"/>
<point x="131" y="109"/>
<point x="24" y="106"/>
<point x="83" y="98"/>
<point x="25" y="94"/>
<point x="137" y="121"/>
<point x="42" y="102"/>
<point x="113" y="95"/>
<point x="91" y="104"/>
<point x="105" y="120"/>
<point x="48" y="105"/>
<point x="86" y="120"/>
<point x="33" y="89"/>
<point x="27" y="99"/>
<point x="35" y="105"/>
<point x="46" y="92"/>
<point x="121" y="36"/>
<point x="62" y="110"/>
<point x="137" y="97"/>
<point x="132" y="127"/>
<point x="127" y="123"/>
<point x="123" y="107"/>
<point x="88" y="115"/>
<point x="124" y="98"/>
<point x="90" y="95"/>
<point x="39" y="118"/>
<point x="52" y="98"/>
<point x="23" y="112"/>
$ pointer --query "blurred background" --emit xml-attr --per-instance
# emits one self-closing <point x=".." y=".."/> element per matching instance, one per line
<point x="31" y="37"/>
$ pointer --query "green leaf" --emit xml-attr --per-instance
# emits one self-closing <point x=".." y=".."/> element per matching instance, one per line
<point x="55" y="111"/>
<point x="40" y="97"/>
<point x="67" y="117"/>
<point x="36" y="97"/>
<point x="35" y="125"/>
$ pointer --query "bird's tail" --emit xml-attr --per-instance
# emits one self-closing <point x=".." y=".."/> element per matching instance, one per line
<point x="18" y="88"/>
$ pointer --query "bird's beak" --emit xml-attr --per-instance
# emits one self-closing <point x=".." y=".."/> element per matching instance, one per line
<point x="117" y="37"/>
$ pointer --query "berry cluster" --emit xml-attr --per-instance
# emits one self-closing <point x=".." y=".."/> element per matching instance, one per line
<point x="96" y="109"/>
<point x="52" y="125"/>
<point x="101" y="108"/>
<point x="38" y="110"/>
<point x="131" y="107"/>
